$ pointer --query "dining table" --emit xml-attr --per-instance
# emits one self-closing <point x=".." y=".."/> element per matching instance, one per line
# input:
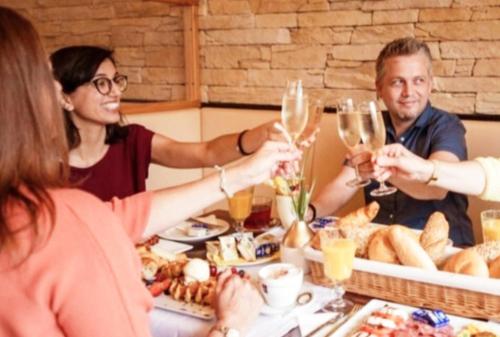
<point x="165" y="323"/>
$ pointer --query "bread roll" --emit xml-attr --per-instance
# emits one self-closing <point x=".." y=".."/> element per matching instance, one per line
<point x="361" y="216"/>
<point x="380" y="247"/>
<point x="409" y="250"/>
<point x="489" y="251"/>
<point x="494" y="268"/>
<point x="468" y="262"/>
<point x="435" y="236"/>
<point x="360" y="235"/>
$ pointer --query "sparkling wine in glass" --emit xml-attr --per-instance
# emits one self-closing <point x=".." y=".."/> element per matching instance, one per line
<point x="338" y="259"/>
<point x="348" y="123"/>
<point x="294" y="110"/>
<point x="240" y="207"/>
<point x="373" y="135"/>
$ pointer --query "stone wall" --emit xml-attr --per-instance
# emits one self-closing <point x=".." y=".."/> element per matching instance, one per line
<point x="250" y="47"/>
<point x="147" y="38"/>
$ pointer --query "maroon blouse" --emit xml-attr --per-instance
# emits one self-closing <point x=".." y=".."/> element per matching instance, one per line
<point x="122" y="171"/>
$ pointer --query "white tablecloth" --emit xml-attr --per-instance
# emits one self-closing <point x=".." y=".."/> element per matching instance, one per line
<point x="169" y="324"/>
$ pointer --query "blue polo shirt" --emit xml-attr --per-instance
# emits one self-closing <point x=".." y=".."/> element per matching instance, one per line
<point x="434" y="130"/>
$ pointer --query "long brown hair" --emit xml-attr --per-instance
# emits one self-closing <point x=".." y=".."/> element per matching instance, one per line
<point x="33" y="150"/>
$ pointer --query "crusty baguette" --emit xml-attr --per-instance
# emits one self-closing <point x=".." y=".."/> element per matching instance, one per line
<point x="328" y="231"/>
<point x="494" y="268"/>
<point x="361" y="216"/>
<point x="380" y="247"/>
<point x="489" y="250"/>
<point x="409" y="250"/>
<point x="468" y="262"/>
<point x="435" y="236"/>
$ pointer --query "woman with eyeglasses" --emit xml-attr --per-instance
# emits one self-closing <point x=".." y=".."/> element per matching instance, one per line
<point x="68" y="266"/>
<point x="110" y="159"/>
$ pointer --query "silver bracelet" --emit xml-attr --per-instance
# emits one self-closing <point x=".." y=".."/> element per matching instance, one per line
<point x="222" y="181"/>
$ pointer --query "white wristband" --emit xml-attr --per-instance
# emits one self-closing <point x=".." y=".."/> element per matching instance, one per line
<point x="222" y="181"/>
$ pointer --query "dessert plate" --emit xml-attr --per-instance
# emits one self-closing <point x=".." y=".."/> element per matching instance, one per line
<point x="180" y="232"/>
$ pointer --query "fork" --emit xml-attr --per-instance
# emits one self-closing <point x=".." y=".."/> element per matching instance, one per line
<point x="321" y="326"/>
<point x="355" y="308"/>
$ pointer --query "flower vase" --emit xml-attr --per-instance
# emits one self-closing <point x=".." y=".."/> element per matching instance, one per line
<point x="296" y="238"/>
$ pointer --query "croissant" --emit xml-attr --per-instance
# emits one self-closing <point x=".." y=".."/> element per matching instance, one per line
<point x="361" y="216"/>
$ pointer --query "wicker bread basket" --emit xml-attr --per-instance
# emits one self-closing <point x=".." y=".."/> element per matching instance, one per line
<point x="452" y="300"/>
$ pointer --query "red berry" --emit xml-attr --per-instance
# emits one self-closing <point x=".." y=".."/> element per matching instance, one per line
<point x="213" y="270"/>
<point x="234" y="270"/>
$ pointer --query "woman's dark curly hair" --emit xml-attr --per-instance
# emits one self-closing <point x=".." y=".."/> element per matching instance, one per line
<point x="77" y="65"/>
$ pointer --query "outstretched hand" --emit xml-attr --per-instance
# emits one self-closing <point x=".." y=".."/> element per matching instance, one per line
<point x="396" y="160"/>
<point x="273" y="158"/>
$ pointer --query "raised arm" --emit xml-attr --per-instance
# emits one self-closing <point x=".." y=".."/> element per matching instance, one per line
<point x="335" y="194"/>
<point x="466" y="177"/>
<point x="172" y="205"/>
<point x="218" y="151"/>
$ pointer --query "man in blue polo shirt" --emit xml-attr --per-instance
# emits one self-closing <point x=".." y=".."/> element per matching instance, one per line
<point x="404" y="82"/>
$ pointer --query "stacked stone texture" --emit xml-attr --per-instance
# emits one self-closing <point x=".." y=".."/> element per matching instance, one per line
<point x="249" y="48"/>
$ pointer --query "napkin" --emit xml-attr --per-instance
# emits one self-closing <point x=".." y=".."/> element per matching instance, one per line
<point x="309" y="322"/>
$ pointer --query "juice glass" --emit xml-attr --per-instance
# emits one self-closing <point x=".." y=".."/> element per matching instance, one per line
<point x="490" y="223"/>
<point x="240" y="206"/>
<point x="338" y="259"/>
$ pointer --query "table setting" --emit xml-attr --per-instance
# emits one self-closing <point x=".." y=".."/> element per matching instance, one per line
<point x="322" y="278"/>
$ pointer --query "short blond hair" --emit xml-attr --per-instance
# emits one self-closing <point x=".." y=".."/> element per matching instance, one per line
<point x="401" y="47"/>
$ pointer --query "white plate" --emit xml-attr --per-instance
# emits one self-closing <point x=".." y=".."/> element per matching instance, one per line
<point x="165" y="248"/>
<point x="179" y="232"/>
<point x="191" y="309"/>
<point x="458" y="323"/>
<point x="243" y="263"/>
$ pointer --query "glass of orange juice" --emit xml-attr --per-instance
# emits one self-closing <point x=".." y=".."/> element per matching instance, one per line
<point x="338" y="258"/>
<point x="490" y="223"/>
<point x="240" y="207"/>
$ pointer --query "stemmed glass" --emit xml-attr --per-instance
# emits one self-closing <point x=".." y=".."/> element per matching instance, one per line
<point x="240" y="207"/>
<point x="348" y="123"/>
<point x="373" y="135"/>
<point x="338" y="259"/>
<point x="294" y="110"/>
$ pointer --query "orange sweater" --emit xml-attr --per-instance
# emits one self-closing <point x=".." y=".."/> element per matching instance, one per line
<point x="85" y="279"/>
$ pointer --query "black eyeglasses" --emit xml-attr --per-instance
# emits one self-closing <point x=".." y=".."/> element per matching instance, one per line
<point x="104" y="85"/>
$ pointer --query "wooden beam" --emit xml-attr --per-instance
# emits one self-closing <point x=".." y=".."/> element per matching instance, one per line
<point x="138" y="108"/>
<point x="191" y="53"/>
<point x="179" y="2"/>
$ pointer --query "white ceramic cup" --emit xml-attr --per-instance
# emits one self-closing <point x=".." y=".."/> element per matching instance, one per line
<point x="286" y="212"/>
<point x="280" y="284"/>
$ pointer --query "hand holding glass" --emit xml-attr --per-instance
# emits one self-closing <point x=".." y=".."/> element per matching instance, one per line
<point x="348" y="124"/>
<point x="373" y="135"/>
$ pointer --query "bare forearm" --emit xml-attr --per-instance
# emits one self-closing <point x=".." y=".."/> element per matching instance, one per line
<point x="466" y="177"/>
<point x="335" y="194"/>
<point x="172" y="205"/>
<point x="419" y="190"/>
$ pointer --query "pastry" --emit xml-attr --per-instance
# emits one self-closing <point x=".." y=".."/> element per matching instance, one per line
<point x="468" y="262"/>
<point x="361" y="216"/>
<point x="409" y="250"/>
<point x="380" y="247"/>
<point x="435" y="236"/>
<point x="494" y="268"/>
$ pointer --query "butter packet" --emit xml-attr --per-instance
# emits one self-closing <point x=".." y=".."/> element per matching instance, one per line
<point x="266" y="245"/>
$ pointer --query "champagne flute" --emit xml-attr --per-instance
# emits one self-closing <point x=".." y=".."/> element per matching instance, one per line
<point x="349" y="131"/>
<point x="373" y="135"/>
<point x="338" y="260"/>
<point x="294" y="110"/>
<point x="240" y="207"/>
